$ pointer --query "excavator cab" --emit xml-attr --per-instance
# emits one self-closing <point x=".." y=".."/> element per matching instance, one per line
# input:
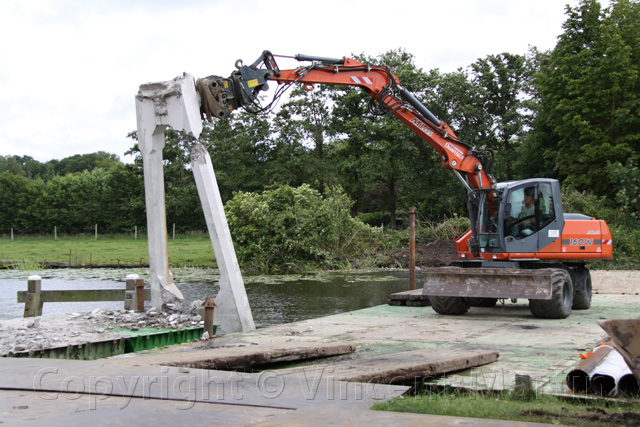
<point x="520" y="217"/>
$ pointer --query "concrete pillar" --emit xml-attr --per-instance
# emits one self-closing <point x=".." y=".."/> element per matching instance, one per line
<point x="130" y="292"/>
<point x="233" y="313"/>
<point x="173" y="103"/>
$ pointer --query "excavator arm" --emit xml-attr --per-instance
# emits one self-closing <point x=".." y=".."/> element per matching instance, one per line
<point x="222" y="95"/>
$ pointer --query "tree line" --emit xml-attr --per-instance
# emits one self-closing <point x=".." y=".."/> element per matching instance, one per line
<point x="570" y="113"/>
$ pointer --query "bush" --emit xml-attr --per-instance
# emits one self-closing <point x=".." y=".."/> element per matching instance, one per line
<point x="574" y="201"/>
<point x="623" y="226"/>
<point x="448" y="229"/>
<point x="296" y="227"/>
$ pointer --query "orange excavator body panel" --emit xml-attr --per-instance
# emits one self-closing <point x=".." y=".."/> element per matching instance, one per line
<point x="580" y="240"/>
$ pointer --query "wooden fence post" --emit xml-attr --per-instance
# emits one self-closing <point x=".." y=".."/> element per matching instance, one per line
<point x="96" y="232"/>
<point x="135" y="232"/>
<point x="55" y="232"/>
<point x="12" y="234"/>
<point x="33" y="304"/>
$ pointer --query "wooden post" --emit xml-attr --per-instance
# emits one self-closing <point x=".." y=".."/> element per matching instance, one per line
<point x="96" y="231"/>
<point x="174" y="231"/>
<point x="412" y="248"/>
<point x="135" y="232"/>
<point x="33" y="303"/>
<point x="12" y="234"/>
<point x="55" y="232"/>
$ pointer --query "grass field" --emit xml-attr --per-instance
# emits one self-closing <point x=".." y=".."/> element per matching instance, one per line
<point x="185" y="251"/>
<point x="508" y="406"/>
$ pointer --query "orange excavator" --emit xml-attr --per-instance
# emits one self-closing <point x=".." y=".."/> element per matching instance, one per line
<point x="520" y="244"/>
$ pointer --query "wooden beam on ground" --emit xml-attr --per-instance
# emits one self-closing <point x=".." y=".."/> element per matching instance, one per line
<point x="403" y="367"/>
<point x="411" y="298"/>
<point x="228" y="358"/>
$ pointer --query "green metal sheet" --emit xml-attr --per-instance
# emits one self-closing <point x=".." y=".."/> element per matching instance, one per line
<point x="130" y="342"/>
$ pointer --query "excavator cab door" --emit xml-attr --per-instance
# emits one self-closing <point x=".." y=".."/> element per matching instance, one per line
<point x="532" y="215"/>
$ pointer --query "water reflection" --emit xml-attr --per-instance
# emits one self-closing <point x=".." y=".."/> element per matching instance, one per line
<point x="273" y="299"/>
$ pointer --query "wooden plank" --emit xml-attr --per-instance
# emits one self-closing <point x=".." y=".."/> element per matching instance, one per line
<point x="413" y="298"/>
<point x="403" y="367"/>
<point x="81" y="295"/>
<point x="229" y="358"/>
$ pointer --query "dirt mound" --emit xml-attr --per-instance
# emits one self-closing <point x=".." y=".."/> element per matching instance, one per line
<point x="438" y="253"/>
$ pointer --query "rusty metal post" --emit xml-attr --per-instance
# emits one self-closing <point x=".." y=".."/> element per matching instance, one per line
<point x="412" y="248"/>
<point x="139" y="294"/>
<point x="209" y="304"/>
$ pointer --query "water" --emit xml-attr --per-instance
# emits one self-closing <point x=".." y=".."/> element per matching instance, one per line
<point x="273" y="299"/>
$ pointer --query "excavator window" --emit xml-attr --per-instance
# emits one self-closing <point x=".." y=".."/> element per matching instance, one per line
<point x="531" y="209"/>
<point x="488" y="233"/>
<point x="545" y="204"/>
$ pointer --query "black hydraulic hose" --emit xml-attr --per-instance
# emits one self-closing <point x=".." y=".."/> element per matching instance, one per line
<point x="411" y="99"/>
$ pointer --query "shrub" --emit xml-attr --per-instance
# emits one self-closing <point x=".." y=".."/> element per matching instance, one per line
<point x="448" y="229"/>
<point x="296" y="227"/>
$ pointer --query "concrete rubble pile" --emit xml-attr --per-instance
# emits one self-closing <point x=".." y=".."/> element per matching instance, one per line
<point x="21" y="335"/>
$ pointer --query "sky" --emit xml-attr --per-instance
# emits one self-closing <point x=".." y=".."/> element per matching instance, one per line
<point x="70" y="69"/>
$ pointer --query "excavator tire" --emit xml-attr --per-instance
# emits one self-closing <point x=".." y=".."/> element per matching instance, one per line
<point x="582" y="296"/>
<point x="559" y="306"/>
<point x="482" y="302"/>
<point x="449" y="305"/>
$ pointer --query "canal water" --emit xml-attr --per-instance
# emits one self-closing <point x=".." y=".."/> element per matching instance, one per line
<point x="273" y="299"/>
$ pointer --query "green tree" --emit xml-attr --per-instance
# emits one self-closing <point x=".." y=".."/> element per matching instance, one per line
<point x="13" y="189"/>
<point x="86" y="162"/>
<point x="122" y="202"/>
<point x="300" y="142"/>
<point x="590" y="90"/>
<point x="239" y="148"/>
<point x="501" y="80"/>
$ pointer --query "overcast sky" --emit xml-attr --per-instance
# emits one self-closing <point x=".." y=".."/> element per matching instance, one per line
<point x="70" y="70"/>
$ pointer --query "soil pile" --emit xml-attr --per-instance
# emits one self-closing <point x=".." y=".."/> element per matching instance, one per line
<point x="438" y="253"/>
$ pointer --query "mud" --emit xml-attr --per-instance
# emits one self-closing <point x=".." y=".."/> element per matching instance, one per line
<point x="438" y="253"/>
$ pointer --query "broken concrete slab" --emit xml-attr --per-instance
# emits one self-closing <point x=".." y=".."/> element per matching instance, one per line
<point x="233" y="313"/>
<point x="160" y="105"/>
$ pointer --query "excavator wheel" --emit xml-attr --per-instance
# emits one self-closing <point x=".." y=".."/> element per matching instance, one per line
<point x="482" y="302"/>
<point x="582" y="294"/>
<point x="449" y="305"/>
<point x="559" y="306"/>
